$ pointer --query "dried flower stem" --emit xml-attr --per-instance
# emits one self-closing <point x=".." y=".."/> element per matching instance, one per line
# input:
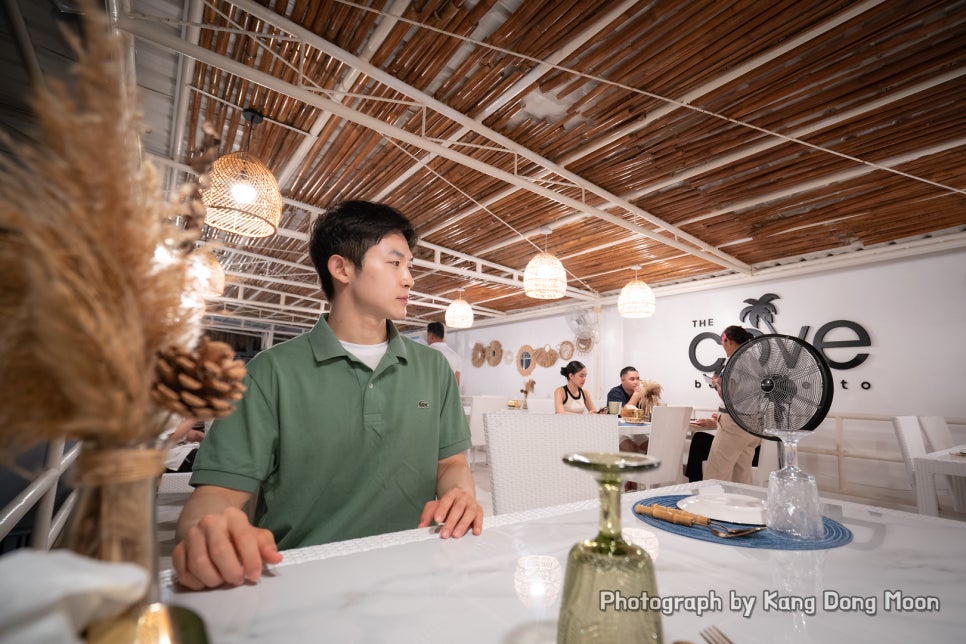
<point x="84" y="304"/>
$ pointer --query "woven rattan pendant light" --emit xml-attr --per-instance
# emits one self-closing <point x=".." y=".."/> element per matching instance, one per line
<point x="243" y="197"/>
<point x="544" y="277"/>
<point x="636" y="299"/>
<point x="459" y="313"/>
<point x="207" y="274"/>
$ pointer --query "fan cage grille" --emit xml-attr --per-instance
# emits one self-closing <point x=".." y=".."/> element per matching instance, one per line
<point x="777" y="384"/>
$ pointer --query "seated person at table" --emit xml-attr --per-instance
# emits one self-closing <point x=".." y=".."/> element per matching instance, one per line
<point x="630" y="391"/>
<point x="629" y="394"/>
<point x="185" y="439"/>
<point x="346" y="431"/>
<point x="572" y="398"/>
<point x="700" y="448"/>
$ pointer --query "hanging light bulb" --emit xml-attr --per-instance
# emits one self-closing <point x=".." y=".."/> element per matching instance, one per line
<point x="459" y="313"/>
<point x="207" y="274"/>
<point x="243" y="197"/>
<point x="636" y="299"/>
<point x="544" y="277"/>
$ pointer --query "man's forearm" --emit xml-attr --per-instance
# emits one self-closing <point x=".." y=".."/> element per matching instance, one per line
<point x="205" y="500"/>
<point x="454" y="472"/>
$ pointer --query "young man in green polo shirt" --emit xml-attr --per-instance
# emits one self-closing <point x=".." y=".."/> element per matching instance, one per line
<point x="347" y="431"/>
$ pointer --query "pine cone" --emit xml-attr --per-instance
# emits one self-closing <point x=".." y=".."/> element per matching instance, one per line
<point x="203" y="384"/>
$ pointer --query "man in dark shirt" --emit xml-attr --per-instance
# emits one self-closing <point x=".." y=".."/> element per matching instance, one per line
<point x="629" y="392"/>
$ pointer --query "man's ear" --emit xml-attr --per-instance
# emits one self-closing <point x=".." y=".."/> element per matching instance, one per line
<point x="340" y="269"/>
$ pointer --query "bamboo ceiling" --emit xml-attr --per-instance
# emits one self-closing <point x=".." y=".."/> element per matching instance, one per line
<point x="698" y="139"/>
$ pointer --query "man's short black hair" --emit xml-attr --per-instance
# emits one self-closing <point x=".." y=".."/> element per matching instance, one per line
<point x="437" y="329"/>
<point x="350" y="229"/>
<point x="626" y="369"/>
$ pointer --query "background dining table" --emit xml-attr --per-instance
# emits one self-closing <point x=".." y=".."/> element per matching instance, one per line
<point x="900" y="579"/>
<point x="951" y="462"/>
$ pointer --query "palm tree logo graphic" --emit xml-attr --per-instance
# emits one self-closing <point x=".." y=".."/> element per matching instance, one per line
<point x="760" y="310"/>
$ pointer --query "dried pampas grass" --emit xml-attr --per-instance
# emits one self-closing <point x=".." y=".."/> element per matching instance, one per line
<point x="650" y="396"/>
<point x="84" y="304"/>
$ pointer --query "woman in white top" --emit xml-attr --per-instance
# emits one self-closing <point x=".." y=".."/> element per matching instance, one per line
<point x="572" y="398"/>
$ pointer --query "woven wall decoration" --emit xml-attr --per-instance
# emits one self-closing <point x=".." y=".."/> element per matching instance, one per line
<point x="525" y="362"/>
<point x="566" y="350"/>
<point x="494" y="353"/>
<point x="538" y="356"/>
<point x="479" y="355"/>
<point x="584" y="345"/>
<point x="546" y="357"/>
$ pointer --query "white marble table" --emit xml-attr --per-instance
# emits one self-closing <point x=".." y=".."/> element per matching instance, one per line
<point x="945" y="461"/>
<point x="413" y="587"/>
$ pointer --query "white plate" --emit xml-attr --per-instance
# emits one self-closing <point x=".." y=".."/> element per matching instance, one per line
<point x="734" y="508"/>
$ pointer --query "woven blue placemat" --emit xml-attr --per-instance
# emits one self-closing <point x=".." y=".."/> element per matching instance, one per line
<point x="836" y="534"/>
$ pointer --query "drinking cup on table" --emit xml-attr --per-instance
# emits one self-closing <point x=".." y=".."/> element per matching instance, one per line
<point x="613" y="407"/>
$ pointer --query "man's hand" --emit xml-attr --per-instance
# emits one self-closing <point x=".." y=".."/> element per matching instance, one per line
<point x="194" y="436"/>
<point x="636" y="396"/>
<point x="217" y="545"/>
<point x="455" y="507"/>
<point x="457" y="511"/>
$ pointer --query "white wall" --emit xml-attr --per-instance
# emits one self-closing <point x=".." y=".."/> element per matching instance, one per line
<point x="504" y="379"/>
<point x="913" y="309"/>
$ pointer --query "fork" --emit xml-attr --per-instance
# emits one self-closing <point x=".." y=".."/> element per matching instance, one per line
<point x="713" y="635"/>
<point x="682" y="517"/>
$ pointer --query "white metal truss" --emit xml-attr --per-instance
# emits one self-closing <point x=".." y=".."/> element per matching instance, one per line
<point x="305" y="90"/>
<point x="544" y="182"/>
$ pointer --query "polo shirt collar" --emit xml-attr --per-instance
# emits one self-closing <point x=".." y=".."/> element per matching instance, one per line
<point x="326" y="346"/>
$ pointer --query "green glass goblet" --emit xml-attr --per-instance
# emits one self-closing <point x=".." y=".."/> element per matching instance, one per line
<point x="610" y="594"/>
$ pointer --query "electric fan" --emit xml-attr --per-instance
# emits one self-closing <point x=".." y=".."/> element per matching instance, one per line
<point x="781" y="386"/>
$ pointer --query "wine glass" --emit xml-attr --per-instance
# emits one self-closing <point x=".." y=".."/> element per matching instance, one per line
<point x="792" y="506"/>
<point x="605" y="571"/>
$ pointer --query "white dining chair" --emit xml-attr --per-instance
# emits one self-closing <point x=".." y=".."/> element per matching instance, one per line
<point x="175" y="483"/>
<point x="480" y="405"/>
<point x="525" y="454"/>
<point x="911" y="444"/>
<point x="936" y="432"/>
<point x="935" y="429"/>
<point x="669" y="428"/>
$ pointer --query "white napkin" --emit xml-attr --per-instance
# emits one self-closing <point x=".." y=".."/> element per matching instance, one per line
<point x="51" y="596"/>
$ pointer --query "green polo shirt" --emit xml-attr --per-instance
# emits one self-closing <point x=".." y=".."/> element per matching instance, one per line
<point x="337" y="450"/>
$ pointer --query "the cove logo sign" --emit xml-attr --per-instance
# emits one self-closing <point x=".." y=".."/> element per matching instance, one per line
<point x="763" y="311"/>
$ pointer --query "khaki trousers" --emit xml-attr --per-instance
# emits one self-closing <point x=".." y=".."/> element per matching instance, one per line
<point x="731" y="454"/>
